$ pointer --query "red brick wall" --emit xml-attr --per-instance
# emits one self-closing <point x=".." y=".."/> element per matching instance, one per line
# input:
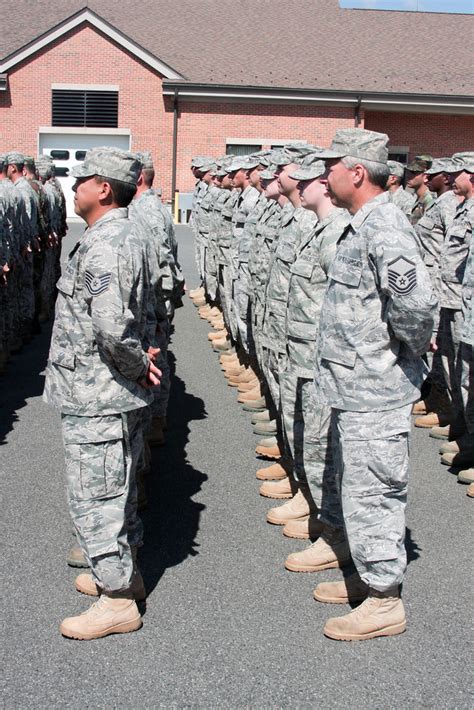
<point x="204" y="127"/>
<point x="437" y="134"/>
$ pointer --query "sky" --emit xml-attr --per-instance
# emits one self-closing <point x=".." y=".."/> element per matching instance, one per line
<point x="464" y="6"/>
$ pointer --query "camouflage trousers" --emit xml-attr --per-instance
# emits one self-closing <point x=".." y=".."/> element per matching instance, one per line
<point x="448" y="341"/>
<point x="306" y="422"/>
<point x="466" y="366"/>
<point x="371" y="456"/>
<point x="101" y="457"/>
<point x="223" y="290"/>
<point x="211" y="268"/>
<point x="241" y="304"/>
<point x="27" y="294"/>
<point x="273" y="364"/>
<point x="198" y="256"/>
<point x="161" y="393"/>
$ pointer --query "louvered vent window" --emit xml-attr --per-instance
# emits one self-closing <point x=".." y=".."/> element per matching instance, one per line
<point x="87" y="109"/>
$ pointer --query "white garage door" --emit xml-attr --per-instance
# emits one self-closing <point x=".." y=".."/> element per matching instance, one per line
<point x="69" y="149"/>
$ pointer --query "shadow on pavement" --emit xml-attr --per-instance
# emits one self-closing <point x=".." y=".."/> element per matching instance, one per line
<point x="171" y="520"/>
<point x="23" y="379"/>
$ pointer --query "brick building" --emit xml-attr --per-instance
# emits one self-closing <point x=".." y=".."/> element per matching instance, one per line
<point x="185" y="78"/>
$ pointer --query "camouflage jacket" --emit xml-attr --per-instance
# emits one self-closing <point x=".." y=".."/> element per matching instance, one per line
<point x="420" y="205"/>
<point x="243" y="208"/>
<point x="467" y="333"/>
<point x="403" y="200"/>
<point x="377" y="315"/>
<point x="454" y="255"/>
<point x="224" y="230"/>
<point x="261" y="249"/>
<point x="432" y="227"/>
<point x="200" y="189"/>
<point x="250" y="227"/>
<point x="294" y="225"/>
<point x="307" y="286"/>
<point x="30" y="212"/>
<point x="96" y="356"/>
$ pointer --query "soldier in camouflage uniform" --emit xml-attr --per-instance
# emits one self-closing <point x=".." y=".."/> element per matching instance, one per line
<point x="417" y="180"/>
<point x="431" y="230"/>
<point x="202" y="216"/>
<point x="223" y="209"/>
<point x="399" y="196"/>
<point x="376" y="322"/>
<point x="308" y="418"/>
<point x="453" y="263"/>
<point x="98" y="376"/>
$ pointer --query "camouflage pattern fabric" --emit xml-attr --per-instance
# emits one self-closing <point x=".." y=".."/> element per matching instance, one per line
<point x="403" y="200"/>
<point x="378" y="314"/>
<point x="101" y="458"/>
<point x="454" y="255"/>
<point x="371" y="459"/>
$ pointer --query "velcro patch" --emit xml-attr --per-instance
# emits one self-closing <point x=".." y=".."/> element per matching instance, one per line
<point x="97" y="284"/>
<point x="402" y="276"/>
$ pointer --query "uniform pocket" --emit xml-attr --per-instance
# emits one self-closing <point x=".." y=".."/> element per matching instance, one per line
<point x="302" y="268"/>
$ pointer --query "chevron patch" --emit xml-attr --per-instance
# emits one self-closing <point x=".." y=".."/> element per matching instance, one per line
<point x="97" y="284"/>
<point x="402" y="276"/>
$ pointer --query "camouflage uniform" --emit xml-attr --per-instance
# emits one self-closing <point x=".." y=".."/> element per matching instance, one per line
<point x="305" y="414"/>
<point x="420" y="205"/>
<point x="453" y="263"/>
<point x="95" y="361"/>
<point x="403" y="200"/>
<point x="224" y="242"/>
<point x="30" y="237"/>
<point x="466" y="351"/>
<point x="376" y="321"/>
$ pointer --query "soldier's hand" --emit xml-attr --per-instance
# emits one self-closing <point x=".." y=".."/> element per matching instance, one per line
<point x="152" y="353"/>
<point x="433" y="346"/>
<point x="152" y="377"/>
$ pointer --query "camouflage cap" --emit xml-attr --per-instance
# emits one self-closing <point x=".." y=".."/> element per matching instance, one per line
<point x="358" y="143"/>
<point x="244" y="162"/>
<point x="440" y="165"/>
<point x="311" y="167"/>
<point x="199" y="160"/>
<point x="111" y="163"/>
<point x="223" y="165"/>
<point x="396" y="168"/>
<point x="30" y="162"/>
<point x="462" y="161"/>
<point x="14" y="158"/>
<point x="146" y="160"/>
<point x="3" y="157"/>
<point x="208" y="166"/>
<point x="44" y="168"/>
<point x="44" y="157"/>
<point x="420" y="164"/>
<point x="270" y="172"/>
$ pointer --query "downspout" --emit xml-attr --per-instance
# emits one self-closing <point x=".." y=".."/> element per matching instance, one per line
<point x="175" y="151"/>
<point x="357" y="112"/>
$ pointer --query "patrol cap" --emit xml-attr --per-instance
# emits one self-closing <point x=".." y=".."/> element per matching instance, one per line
<point x="358" y="143"/>
<point x="396" y="168"/>
<point x="146" y="160"/>
<point x="420" y="164"/>
<point x="2" y="160"/>
<point x="440" y="165"/>
<point x="244" y="162"/>
<point x="223" y="165"/>
<point x="208" y="165"/>
<point x="30" y="162"/>
<point x="263" y="157"/>
<point x="311" y="167"/>
<point x="111" y="163"/>
<point x="199" y="160"/>
<point x="15" y="158"/>
<point x="462" y="161"/>
<point x="44" y="168"/>
<point x="270" y="172"/>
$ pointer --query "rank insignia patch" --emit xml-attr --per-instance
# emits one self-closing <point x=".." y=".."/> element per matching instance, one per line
<point x="97" y="284"/>
<point x="402" y="276"/>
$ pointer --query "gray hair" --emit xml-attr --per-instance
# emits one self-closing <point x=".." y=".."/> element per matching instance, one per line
<point x="378" y="173"/>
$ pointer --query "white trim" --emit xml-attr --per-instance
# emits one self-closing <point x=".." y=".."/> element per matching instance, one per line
<point x="262" y="141"/>
<point x="67" y="130"/>
<point x="85" y="87"/>
<point x="87" y="15"/>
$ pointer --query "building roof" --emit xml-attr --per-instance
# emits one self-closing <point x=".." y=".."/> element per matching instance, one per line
<point x="309" y="44"/>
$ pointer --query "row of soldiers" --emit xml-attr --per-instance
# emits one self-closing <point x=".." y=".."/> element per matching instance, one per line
<point x="321" y="275"/>
<point x="32" y="225"/>
<point x="108" y="375"/>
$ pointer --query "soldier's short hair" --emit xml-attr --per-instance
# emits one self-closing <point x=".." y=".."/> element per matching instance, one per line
<point x="122" y="192"/>
<point x="378" y="173"/>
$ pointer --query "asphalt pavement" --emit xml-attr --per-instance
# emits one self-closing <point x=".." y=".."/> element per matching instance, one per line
<point x="225" y="626"/>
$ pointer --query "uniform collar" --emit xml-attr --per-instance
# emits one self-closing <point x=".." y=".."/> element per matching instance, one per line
<point x="116" y="213"/>
<point x="362" y="214"/>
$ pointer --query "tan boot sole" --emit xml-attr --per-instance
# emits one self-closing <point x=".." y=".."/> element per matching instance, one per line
<point x="312" y="568"/>
<point x="276" y="496"/>
<point x="296" y="536"/>
<point x="123" y="628"/>
<point x="138" y="597"/>
<point x="270" y="457"/>
<point x="339" y="600"/>
<point x="393" y="630"/>
<point x="260" y="475"/>
<point x="278" y="521"/>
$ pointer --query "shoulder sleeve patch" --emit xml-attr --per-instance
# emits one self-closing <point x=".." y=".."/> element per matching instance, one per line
<point x="402" y="276"/>
<point x="97" y="284"/>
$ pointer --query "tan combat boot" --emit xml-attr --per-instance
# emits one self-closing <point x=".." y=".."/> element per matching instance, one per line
<point x="200" y="301"/>
<point x="195" y="292"/>
<point x="466" y="476"/>
<point x="382" y="614"/>
<point x="276" y="489"/>
<point x="243" y="387"/>
<point x="85" y="584"/>
<point x="297" y="507"/>
<point x="419" y="408"/>
<point x="428" y="421"/>
<point x="221" y="345"/>
<point x="108" y="615"/>
<point x="463" y="459"/>
<point x="261" y="417"/>
<point x="217" y="335"/>
<point x="330" y="551"/>
<point x="308" y="528"/>
<point x="348" y="590"/>
<point x="269" y="452"/>
<point x="257" y="405"/>
<point x="463" y="443"/>
<point x="251" y="396"/>
<point x="265" y="428"/>
<point x="76" y="557"/>
<point x="470" y="490"/>
<point x="275" y="472"/>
